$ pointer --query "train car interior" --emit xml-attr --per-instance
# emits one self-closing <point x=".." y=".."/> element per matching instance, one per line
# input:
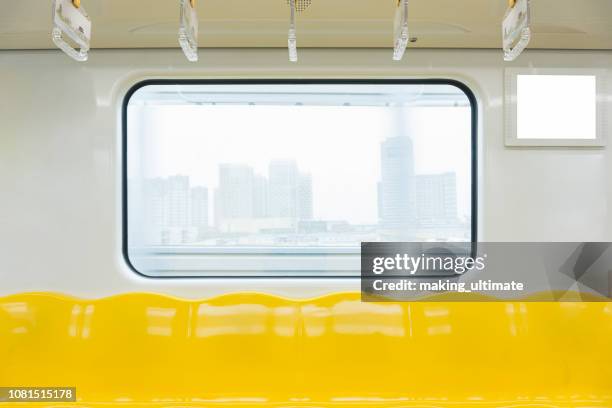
<point x="306" y="203"/>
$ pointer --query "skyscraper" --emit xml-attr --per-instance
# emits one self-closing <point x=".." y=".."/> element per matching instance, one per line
<point x="283" y="187"/>
<point x="234" y="195"/>
<point x="260" y="197"/>
<point x="177" y="201"/>
<point x="167" y="210"/>
<point x="154" y="191"/>
<point x="246" y="202"/>
<point x="304" y="197"/>
<point x="289" y="191"/>
<point x="199" y="209"/>
<point x="397" y="188"/>
<point x="436" y="202"/>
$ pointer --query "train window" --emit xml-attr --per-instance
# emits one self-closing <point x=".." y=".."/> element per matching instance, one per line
<point x="288" y="178"/>
<point x="554" y="108"/>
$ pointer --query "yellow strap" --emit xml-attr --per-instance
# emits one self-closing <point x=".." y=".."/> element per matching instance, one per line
<point x="511" y="3"/>
<point x="77" y="3"/>
<point x="192" y="3"/>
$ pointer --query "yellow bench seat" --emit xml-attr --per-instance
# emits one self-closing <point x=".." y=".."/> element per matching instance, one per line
<point x="249" y="349"/>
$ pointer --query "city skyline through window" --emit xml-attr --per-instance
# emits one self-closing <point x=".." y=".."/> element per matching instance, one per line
<point x="298" y="170"/>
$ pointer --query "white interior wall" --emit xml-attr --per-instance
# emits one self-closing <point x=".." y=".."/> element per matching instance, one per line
<point x="60" y="207"/>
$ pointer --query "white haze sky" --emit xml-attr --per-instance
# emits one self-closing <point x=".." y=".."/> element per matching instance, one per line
<point x="338" y="145"/>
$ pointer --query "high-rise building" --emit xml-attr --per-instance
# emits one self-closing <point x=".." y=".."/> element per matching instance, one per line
<point x="260" y="197"/>
<point x="245" y="201"/>
<point x="154" y="192"/>
<point x="304" y="197"/>
<point x="289" y="191"/>
<point x="282" y="189"/>
<point x="234" y="195"/>
<point x="397" y="188"/>
<point x="199" y="209"/>
<point x="177" y="201"/>
<point x="436" y="202"/>
<point x="167" y="211"/>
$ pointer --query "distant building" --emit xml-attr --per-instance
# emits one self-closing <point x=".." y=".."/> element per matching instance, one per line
<point x="304" y="197"/>
<point x="199" y="209"/>
<point x="436" y="202"/>
<point x="234" y="195"/>
<point x="289" y="192"/>
<point x="396" y="190"/>
<point x="176" y="201"/>
<point x="244" y="202"/>
<point x="167" y="217"/>
<point x="272" y="203"/>
<point x="283" y="188"/>
<point x="154" y="193"/>
<point x="260" y="197"/>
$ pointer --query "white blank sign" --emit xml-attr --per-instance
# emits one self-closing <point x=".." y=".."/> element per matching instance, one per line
<point x="556" y="107"/>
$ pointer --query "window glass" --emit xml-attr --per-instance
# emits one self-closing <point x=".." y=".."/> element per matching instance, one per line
<point x="279" y="179"/>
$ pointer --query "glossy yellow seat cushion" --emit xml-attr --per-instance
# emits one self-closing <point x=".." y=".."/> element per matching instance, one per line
<point x="259" y="350"/>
